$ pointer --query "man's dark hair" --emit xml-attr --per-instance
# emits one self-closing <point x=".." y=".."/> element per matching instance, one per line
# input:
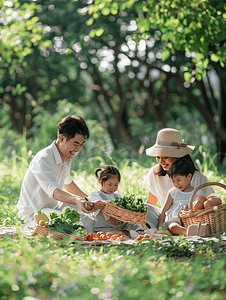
<point x="71" y="125"/>
<point x="182" y="167"/>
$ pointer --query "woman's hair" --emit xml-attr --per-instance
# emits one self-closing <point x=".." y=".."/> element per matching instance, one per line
<point x="161" y="172"/>
<point x="181" y="167"/>
<point x="69" y="126"/>
<point x="107" y="172"/>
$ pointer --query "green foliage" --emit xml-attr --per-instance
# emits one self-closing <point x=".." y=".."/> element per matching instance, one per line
<point x="131" y="89"/>
<point x="66" y="222"/>
<point x="45" y="268"/>
<point x="189" y="26"/>
<point x="131" y="203"/>
<point x="19" y="33"/>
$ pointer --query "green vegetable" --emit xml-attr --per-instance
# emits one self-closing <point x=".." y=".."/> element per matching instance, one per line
<point x="66" y="222"/>
<point x="130" y="203"/>
<point x="70" y="214"/>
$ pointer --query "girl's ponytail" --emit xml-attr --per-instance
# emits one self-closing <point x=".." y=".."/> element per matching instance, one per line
<point x="96" y="171"/>
<point x="107" y="172"/>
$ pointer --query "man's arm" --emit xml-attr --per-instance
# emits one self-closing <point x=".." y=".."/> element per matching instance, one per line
<point x="74" y="189"/>
<point x="65" y="197"/>
<point x="82" y="204"/>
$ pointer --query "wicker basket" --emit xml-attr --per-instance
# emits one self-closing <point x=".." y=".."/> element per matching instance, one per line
<point x="124" y="215"/>
<point x="55" y="235"/>
<point x="215" y="218"/>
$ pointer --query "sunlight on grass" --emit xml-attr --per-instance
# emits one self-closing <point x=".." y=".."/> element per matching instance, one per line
<point x="47" y="269"/>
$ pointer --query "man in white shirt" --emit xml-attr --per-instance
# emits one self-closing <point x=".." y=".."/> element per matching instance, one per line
<point x="49" y="173"/>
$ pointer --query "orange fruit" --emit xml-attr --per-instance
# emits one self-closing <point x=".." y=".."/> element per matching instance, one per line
<point x="217" y="201"/>
<point x="209" y="203"/>
<point x="197" y="205"/>
<point x="201" y="198"/>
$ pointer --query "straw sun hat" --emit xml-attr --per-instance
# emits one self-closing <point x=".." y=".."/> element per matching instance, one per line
<point x="169" y="143"/>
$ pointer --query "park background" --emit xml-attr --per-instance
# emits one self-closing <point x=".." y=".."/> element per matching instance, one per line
<point x="129" y="68"/>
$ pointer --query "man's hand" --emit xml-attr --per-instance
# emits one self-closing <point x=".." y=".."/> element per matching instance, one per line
<point x="96" y="205"/>
<point x="84" y="205"/>
<point x="88" y="207"/>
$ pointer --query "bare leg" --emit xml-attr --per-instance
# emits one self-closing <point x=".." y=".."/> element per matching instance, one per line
<point x="177" y="229"/>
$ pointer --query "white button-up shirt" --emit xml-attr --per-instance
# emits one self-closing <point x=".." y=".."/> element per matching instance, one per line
<point x="46" y="173"/>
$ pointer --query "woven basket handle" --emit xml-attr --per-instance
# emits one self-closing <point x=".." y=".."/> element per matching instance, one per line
<point x="202" y="186"/>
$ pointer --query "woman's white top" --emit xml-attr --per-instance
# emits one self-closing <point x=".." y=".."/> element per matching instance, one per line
<point x="159" y="186"/>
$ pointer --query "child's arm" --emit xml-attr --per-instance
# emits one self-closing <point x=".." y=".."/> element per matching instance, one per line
<point x="168" y="203"/>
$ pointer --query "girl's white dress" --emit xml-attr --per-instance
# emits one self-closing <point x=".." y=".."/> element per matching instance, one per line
<point x="180" y="199"/>
<point x="97" y="221"/>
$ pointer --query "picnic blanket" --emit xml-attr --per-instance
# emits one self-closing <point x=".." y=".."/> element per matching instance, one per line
<point x="127" y="242"/>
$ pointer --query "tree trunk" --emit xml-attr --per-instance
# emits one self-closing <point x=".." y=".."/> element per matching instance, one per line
<point x="221" y="141"/>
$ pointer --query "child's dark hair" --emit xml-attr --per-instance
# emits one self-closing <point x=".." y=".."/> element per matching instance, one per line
<point x="71" y="125"/>
<point x="162" y="172"/>
<point x="107" y="172"/>
<point x="181" y="167"/>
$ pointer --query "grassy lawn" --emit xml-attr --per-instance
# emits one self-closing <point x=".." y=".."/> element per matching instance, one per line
<point x="48" y="269"/>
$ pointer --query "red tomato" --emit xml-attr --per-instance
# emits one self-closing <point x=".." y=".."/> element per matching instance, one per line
<point x="119" y="234"/>
<point x="99" y="234"/>
<point x="109" y="235"/>
<point x="103" y="237"/>
<point x="113" y="237"/>
<point x="91" y="236"/>
<point x="120" y="238"/>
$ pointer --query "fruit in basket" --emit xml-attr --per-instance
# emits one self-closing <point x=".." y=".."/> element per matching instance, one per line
<point x="201" y="198"/>
<point x="197" y="205"/>
<point x="209" y="203"/>
<point x="130" y="203"/>
<point x="216" y="200"/>
<point x="40" y="216"/>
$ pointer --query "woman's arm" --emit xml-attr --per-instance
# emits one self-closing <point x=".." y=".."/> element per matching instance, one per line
<point x="168" y="203"/>
<point x="152" y="199"/>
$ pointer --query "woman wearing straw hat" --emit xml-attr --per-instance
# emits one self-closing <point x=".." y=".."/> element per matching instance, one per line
<point x="169" y="147"/>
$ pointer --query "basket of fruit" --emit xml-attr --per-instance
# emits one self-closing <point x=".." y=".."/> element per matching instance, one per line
<point x="208" y="210"/>
<point x="60" y="225"/>
<point x="126" y="209"/>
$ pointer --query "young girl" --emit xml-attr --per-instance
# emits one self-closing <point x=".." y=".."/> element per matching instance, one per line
<point x="109" y="178"/>
<point x="180" y="172"/>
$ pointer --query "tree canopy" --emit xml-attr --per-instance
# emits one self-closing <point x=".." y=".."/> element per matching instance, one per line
<point x="132" y="78"/>
<point x="197" y="28"/>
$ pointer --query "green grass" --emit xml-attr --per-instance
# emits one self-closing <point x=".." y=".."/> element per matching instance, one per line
<point x="47" y="269"/>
